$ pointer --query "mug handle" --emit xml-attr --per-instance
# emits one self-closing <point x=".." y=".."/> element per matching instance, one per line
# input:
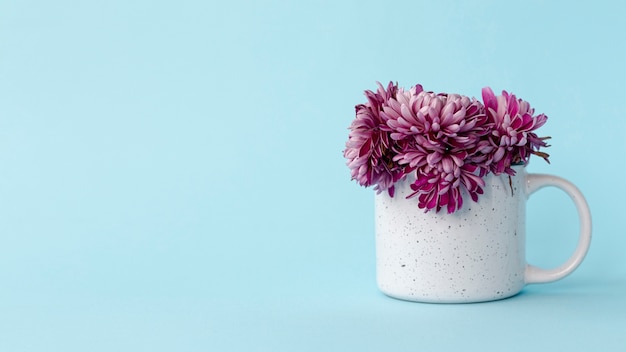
<point x="535" y="275"/>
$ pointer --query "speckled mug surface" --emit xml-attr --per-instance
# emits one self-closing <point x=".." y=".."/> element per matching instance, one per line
<point x="472" y="255"/>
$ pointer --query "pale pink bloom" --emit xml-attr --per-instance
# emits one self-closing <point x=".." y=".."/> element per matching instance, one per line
<point x="438" y="135"/>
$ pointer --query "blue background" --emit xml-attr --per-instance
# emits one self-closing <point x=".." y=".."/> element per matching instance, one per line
<point x="172" y="178"/>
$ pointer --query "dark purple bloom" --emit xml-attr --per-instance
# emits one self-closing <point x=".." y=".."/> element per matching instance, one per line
<point x="440" y="186"/>
<point x="370" y="149"/>
<point x="512" y="139"/>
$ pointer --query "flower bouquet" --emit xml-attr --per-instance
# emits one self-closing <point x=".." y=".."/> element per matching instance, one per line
<point x="449" y="142"/>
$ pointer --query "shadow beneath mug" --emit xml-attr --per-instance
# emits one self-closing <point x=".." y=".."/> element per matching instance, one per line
<point x="600" y="292"/>
<point x="587" y="291"/>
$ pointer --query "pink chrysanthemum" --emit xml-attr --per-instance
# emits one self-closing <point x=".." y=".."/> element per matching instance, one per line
<point x="441" y="185"/>
<point x="370" y="149"/>
<point x="449" y="142"/>
<point x="512" y="139"/>
<point x="438" y="134"/>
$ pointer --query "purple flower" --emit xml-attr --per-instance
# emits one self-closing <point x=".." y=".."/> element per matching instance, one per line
<point x="370" y="149"/>
<point x="438" y="135"/>
<point x="440" y="186"/>
<point x="449" y="142"/>
<point x="512" y="139"/>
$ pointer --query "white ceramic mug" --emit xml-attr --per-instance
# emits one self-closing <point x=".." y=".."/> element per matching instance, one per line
<point x="472" y="255"/>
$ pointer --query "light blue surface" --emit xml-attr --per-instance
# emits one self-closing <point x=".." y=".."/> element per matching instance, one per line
<point x="172" y="179"/>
